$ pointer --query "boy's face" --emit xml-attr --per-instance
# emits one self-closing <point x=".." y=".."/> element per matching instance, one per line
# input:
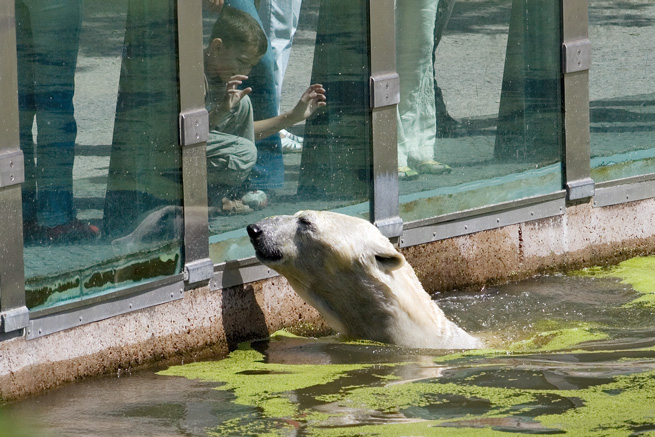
<point x="225" y="61"/>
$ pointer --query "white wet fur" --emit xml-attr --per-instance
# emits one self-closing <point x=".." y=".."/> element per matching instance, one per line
<point x="351" y="273"/>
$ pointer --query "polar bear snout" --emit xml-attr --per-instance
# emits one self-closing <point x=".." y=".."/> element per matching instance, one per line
<point x="254" y="232"/>
<point x="265" y="250"/>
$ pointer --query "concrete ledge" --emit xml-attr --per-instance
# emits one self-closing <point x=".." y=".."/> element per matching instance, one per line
<point x="202" y="324"/>
<point x="208" y="323"/>
<point x="582" y="236"/>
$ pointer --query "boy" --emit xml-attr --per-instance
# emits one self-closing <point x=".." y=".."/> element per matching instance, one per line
<point x="236" y="45"/>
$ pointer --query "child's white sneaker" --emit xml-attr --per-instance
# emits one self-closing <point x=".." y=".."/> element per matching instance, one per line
<point x="290" y="143"/>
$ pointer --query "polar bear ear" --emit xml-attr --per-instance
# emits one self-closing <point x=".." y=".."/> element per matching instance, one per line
<point x="389" y="261"/>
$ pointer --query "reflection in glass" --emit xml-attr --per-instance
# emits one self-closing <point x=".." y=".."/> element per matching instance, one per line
<point x="622" y="89"/>
<point x="480" y="122"/>
<point x="98" y="124"/>
<point x="320" y="160"/>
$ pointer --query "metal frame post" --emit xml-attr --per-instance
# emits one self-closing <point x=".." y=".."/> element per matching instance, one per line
<point x="14" y="315"/>
<point x="194" y="132"/>
<point x="385" y="95"/>
<point x="576" y="61"/>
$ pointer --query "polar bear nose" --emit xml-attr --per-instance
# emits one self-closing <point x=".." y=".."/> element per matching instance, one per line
<point x="254" y="231"/>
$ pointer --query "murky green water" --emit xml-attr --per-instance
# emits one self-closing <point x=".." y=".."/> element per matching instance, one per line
<point x="566" y="354"/>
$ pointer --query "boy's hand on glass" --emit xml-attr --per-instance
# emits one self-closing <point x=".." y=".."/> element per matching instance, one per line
<point x="312" y="99"/>
<point x="224" y="102"/>
<point x="233" y="94"/>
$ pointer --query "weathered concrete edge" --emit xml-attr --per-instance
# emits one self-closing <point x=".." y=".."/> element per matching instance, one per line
<point x="582" y="236"/>
<point x="206" y="323"/>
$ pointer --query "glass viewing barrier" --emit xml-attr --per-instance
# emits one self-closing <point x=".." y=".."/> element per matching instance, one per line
<point x="309" y="144"/>
<point x="622" y="89"/>
<point x="479" y="122"/>
<point x="488" y="128"/>
<point x="98" y="108"/>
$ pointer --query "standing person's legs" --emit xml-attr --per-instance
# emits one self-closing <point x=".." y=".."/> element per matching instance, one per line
<point x="416" y="110"/>
<point x="26" y="110"/>
<point x="56" y="26"/>
<point x="280" y="22"/>
<point x="268" y="173"/>
<point x="445" y="123"/>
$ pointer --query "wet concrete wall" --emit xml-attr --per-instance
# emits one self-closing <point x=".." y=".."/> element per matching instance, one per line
<point x="208" y="323"/>
<point x="583" y="236"/>
<point x="202" y="324"/>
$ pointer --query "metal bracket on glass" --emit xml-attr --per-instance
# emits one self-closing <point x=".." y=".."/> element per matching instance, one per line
<point x="12" y="170"/>
<point x="390" y="227"/>
<point x="385" y="90"/>
<point x="194" y="127"/>
<point x="580" y="189"/>
<point x="576" y="56"/>
<point x="199" y="270"/>
<point x="15" y="319"/>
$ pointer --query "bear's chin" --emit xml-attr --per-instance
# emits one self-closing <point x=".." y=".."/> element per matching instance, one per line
<point x="268" y="256"/>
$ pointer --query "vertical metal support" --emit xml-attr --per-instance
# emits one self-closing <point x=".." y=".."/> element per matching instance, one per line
<point x="384" y="93"/>
<point x="194" y="131"/>
<point x="576" y="60"/>
<point x="13" y="312"/>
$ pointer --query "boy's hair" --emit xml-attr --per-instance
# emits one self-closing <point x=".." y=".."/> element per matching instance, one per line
<point x="235" y="27"/>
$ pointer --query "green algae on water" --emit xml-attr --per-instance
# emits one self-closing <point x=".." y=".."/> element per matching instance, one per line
<point x="559" y="339"/>
<point x="473" y="397"/>
<point x="560" y="336"/>
<point x="551" y="382"/>
<point x="261" y="384"/>
<point x="268" y="387"/>
<point x="638" y="272"/>
<point x="621" y="406"/>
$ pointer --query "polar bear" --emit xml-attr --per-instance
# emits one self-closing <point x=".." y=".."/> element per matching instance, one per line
<point x="345" y="268"/>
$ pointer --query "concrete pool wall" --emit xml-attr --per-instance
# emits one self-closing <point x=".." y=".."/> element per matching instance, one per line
<point x="208" y="323"/>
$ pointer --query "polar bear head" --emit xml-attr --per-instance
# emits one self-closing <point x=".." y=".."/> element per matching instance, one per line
<point x="321" y="243"/>
<point x="356" y="279"/>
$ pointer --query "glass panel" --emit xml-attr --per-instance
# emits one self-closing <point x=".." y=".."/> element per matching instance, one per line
<point x="321" y="163"/>
<point x="98" y="122"/>
<point x="622" y="88"/>
<point x="487" y="129"/>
